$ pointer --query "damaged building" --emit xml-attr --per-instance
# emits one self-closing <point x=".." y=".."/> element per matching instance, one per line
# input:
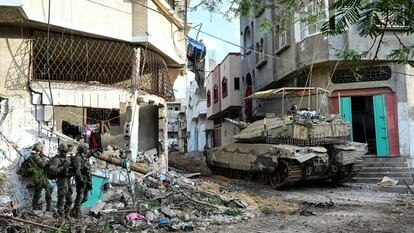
<point x="99" y="72"/>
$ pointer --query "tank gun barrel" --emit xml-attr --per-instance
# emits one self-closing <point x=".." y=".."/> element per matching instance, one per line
<point x="241" y="124"/>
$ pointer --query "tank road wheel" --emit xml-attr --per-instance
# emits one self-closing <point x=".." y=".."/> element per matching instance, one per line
<point x="288" y="173"/>
<point x="262" y="178"/>
<point x="274" y="179"/>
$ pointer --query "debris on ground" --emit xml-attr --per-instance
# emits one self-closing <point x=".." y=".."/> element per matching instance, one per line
<point x="387" y="181"/>
<point x="157" y="201"/>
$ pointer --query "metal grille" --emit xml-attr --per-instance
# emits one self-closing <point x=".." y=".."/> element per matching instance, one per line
<point x="363" y="75"/>
<point x="97" y="61"/>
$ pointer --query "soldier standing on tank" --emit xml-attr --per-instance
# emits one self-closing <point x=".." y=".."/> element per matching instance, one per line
<point x="59" y="165"/>
<point x="82" y="177"/>
<point x="38" y="163"/>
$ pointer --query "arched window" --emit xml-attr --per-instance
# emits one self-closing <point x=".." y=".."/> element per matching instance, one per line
<point x="224" y="87"/>
<point x="247" y="40"/>
<point x="215" y="94"/>
<point x="208" y="98"/>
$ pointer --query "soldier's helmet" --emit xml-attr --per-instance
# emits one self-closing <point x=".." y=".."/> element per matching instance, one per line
<point x="83" y="147"/>
<point x="63" y="147"/>
<point x="37" y="146"/>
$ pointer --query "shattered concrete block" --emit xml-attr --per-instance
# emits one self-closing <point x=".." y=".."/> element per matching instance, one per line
<point x="151" y="216"/>
<point x="96" y="209"/>
<point x="154" y="192"/>
<point x="168" y="212"/>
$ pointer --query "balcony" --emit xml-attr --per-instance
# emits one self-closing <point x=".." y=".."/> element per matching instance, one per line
<point x="110" y="19"/>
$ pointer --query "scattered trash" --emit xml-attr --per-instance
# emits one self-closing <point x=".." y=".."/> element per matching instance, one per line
<point x="96" y="209"/>
<point x="168" y="212"/>
<point x="164" y="220"/>
<point x="134" y="216"/>
<point x="387" y="181"/>
<point x="306" y="212"/>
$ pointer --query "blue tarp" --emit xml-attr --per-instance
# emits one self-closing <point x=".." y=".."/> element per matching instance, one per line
<point x="96" y="192"/>
<point x="196" y="50"/>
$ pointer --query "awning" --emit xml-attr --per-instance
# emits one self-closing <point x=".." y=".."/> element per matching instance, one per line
<point x="287" y="92"/>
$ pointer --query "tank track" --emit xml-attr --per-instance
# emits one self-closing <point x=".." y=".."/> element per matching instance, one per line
<point x="349" y="173"/>
<point x="287" y="174"/>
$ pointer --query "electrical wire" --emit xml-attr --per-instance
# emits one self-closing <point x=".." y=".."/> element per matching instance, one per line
<point x="216" y="37"/>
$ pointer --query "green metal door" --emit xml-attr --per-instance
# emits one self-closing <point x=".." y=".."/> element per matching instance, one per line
<point x="381" y="130"/>
<point x="346" y="112"/>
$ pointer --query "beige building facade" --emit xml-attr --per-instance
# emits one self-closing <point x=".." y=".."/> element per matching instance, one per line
<point x="110" y="64"/>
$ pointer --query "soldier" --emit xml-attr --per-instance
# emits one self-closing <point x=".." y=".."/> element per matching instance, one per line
<point x="37" y="164"/>
<point x="59" y="167"/>
<point x="82" y="177"/>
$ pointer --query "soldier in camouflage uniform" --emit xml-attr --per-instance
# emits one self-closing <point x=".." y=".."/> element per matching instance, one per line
<point x="59" y="166"/>
<point x="37" y="165"/>
<point x="82" y="177"/>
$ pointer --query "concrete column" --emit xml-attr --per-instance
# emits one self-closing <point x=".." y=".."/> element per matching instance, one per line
<point x="162" y="134"/>
<point x="133" y="140"/>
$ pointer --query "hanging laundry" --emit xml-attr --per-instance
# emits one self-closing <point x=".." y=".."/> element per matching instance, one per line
<point x="105" y="127"/>
<point x="92" y="136"/>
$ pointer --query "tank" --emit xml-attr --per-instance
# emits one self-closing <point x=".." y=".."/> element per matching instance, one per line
<point x="297" y="146"/>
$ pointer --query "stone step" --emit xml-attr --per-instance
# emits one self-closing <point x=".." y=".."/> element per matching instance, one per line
<point x="385" y="164"/>
<point x="385" y="169"/>
<point x="366" y="180"/>
<point x="386" y="159"/>
<point x="382" y="174"/>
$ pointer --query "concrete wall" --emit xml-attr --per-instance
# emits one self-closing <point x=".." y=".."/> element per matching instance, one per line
<point x="110" y="18"/>
<point x="263" y="74"/>
<point x="18" y="127"/>
<point x="209" y="87"/>
<point x="405" y="107"/>
<point x="230" y="68"/>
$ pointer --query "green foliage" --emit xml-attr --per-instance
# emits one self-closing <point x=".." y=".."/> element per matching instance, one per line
<point x="119" y="218"/>
<point x="232" y="212"/>
<point x="402" y="55"/>
<point x="352" y="56"/>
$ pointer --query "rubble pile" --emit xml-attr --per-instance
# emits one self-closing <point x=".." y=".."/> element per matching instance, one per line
<point x="170" y="201"/>
<point x="158" y="201"/>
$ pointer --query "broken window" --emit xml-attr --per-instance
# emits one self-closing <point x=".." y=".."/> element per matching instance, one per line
<point x="96" y="115"/>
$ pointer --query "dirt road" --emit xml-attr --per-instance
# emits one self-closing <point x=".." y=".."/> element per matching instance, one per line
<point x="312" y="208"/>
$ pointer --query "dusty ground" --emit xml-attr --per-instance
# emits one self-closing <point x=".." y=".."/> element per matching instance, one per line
<point x="310" y="207"/>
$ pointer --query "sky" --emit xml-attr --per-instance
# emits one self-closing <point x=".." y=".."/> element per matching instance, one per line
<point x="216" y="25"/>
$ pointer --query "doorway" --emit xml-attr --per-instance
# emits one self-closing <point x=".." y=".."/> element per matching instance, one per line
<point x="368" y="118"/>
<point x="363" y="122"/>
